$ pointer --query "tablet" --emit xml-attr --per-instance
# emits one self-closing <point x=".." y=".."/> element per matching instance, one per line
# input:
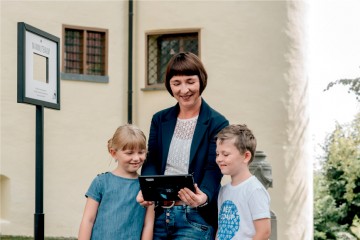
<point x="164" y="187"/>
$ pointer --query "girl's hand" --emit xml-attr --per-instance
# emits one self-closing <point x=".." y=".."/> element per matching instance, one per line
<point x="141" y="201"/>
<point x="193" y="199"/>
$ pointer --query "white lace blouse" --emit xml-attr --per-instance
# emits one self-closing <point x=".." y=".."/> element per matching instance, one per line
<point x="179" y="152"/>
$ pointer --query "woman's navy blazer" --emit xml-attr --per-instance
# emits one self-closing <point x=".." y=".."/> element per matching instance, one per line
<point x="203" y="148"/>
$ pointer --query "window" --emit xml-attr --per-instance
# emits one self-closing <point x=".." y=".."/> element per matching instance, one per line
<point x="161" y="47"/>
<point x="85" y="54"/>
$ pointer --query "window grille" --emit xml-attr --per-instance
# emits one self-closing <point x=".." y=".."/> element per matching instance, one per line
<point x="161" y="47"/>
<point x="95" y="55"/>
<point x="73" y="51"/>
<point x="85" y="51"/>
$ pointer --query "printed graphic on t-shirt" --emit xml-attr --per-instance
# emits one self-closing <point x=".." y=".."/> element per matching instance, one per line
<point x="229" y="221"/>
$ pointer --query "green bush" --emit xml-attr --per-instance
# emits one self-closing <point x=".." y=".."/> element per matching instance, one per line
<point x="337" y="185"/>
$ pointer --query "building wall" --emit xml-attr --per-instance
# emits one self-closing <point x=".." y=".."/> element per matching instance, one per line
<point x="254" y="53"/>
<point x="75" y="137"/>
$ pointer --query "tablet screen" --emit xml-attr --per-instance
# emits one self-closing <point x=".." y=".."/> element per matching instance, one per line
<point x="164" y="187"/>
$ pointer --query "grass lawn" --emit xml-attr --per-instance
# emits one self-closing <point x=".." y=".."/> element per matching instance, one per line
<point x="28" y="238"/>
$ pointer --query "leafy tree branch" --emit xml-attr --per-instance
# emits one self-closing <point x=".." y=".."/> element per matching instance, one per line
<point x="352" y="84"/>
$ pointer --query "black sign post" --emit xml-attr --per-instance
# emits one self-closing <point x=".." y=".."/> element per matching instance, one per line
<point x="39" y="85"/>
<point x="39" y="219"/>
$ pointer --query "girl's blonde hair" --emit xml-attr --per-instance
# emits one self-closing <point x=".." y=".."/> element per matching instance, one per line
<point x="127" y="136"/>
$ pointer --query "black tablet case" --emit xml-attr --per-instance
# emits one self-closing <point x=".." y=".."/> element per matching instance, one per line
<point x="164" y="187"/>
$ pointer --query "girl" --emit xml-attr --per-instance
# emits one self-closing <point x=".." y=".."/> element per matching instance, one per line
<point x="111" y="210"/>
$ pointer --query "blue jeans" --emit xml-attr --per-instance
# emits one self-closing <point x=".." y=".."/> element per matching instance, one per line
<point x="181" y="222"/>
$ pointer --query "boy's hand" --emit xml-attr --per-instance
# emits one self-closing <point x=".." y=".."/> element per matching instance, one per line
<point x="193" y="199"/>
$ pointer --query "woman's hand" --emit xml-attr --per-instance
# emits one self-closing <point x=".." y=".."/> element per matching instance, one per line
<point x="193" y="199"/>
<point x="141" y="201"/>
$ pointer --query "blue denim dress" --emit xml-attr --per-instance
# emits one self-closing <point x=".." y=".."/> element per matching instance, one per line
<point x="119" y="216"/>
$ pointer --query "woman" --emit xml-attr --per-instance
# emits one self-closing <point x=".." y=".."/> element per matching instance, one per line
<point x="182" y="140"/>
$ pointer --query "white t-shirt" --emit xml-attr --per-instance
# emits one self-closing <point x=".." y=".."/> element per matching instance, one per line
<point x="239" y="206"/>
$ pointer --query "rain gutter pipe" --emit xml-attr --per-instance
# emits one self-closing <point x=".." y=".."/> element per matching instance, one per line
<point x="130" y="60"/>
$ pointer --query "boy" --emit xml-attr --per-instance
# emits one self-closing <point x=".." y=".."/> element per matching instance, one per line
<point x="244" y="203"/>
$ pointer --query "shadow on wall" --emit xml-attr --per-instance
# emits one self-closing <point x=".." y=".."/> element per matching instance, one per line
<point x="5" y="198"/>
<point x="298" y="195"/>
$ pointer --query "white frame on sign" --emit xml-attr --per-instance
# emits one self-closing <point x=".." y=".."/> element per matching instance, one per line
<point x="34" y="42"/>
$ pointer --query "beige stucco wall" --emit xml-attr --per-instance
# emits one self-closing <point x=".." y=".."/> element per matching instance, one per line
<point x="254" y="53"/>
<point x="75" y="137"/>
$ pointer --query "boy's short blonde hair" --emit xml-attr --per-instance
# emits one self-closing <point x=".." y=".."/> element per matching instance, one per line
<point x="243" y="136"/>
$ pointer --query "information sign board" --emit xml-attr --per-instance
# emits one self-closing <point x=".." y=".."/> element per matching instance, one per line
<point x="38" y="67"/>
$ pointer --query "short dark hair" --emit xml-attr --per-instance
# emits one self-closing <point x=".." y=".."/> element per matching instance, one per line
<point x="243" y="136"/>
<point x="185" y="64"/>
